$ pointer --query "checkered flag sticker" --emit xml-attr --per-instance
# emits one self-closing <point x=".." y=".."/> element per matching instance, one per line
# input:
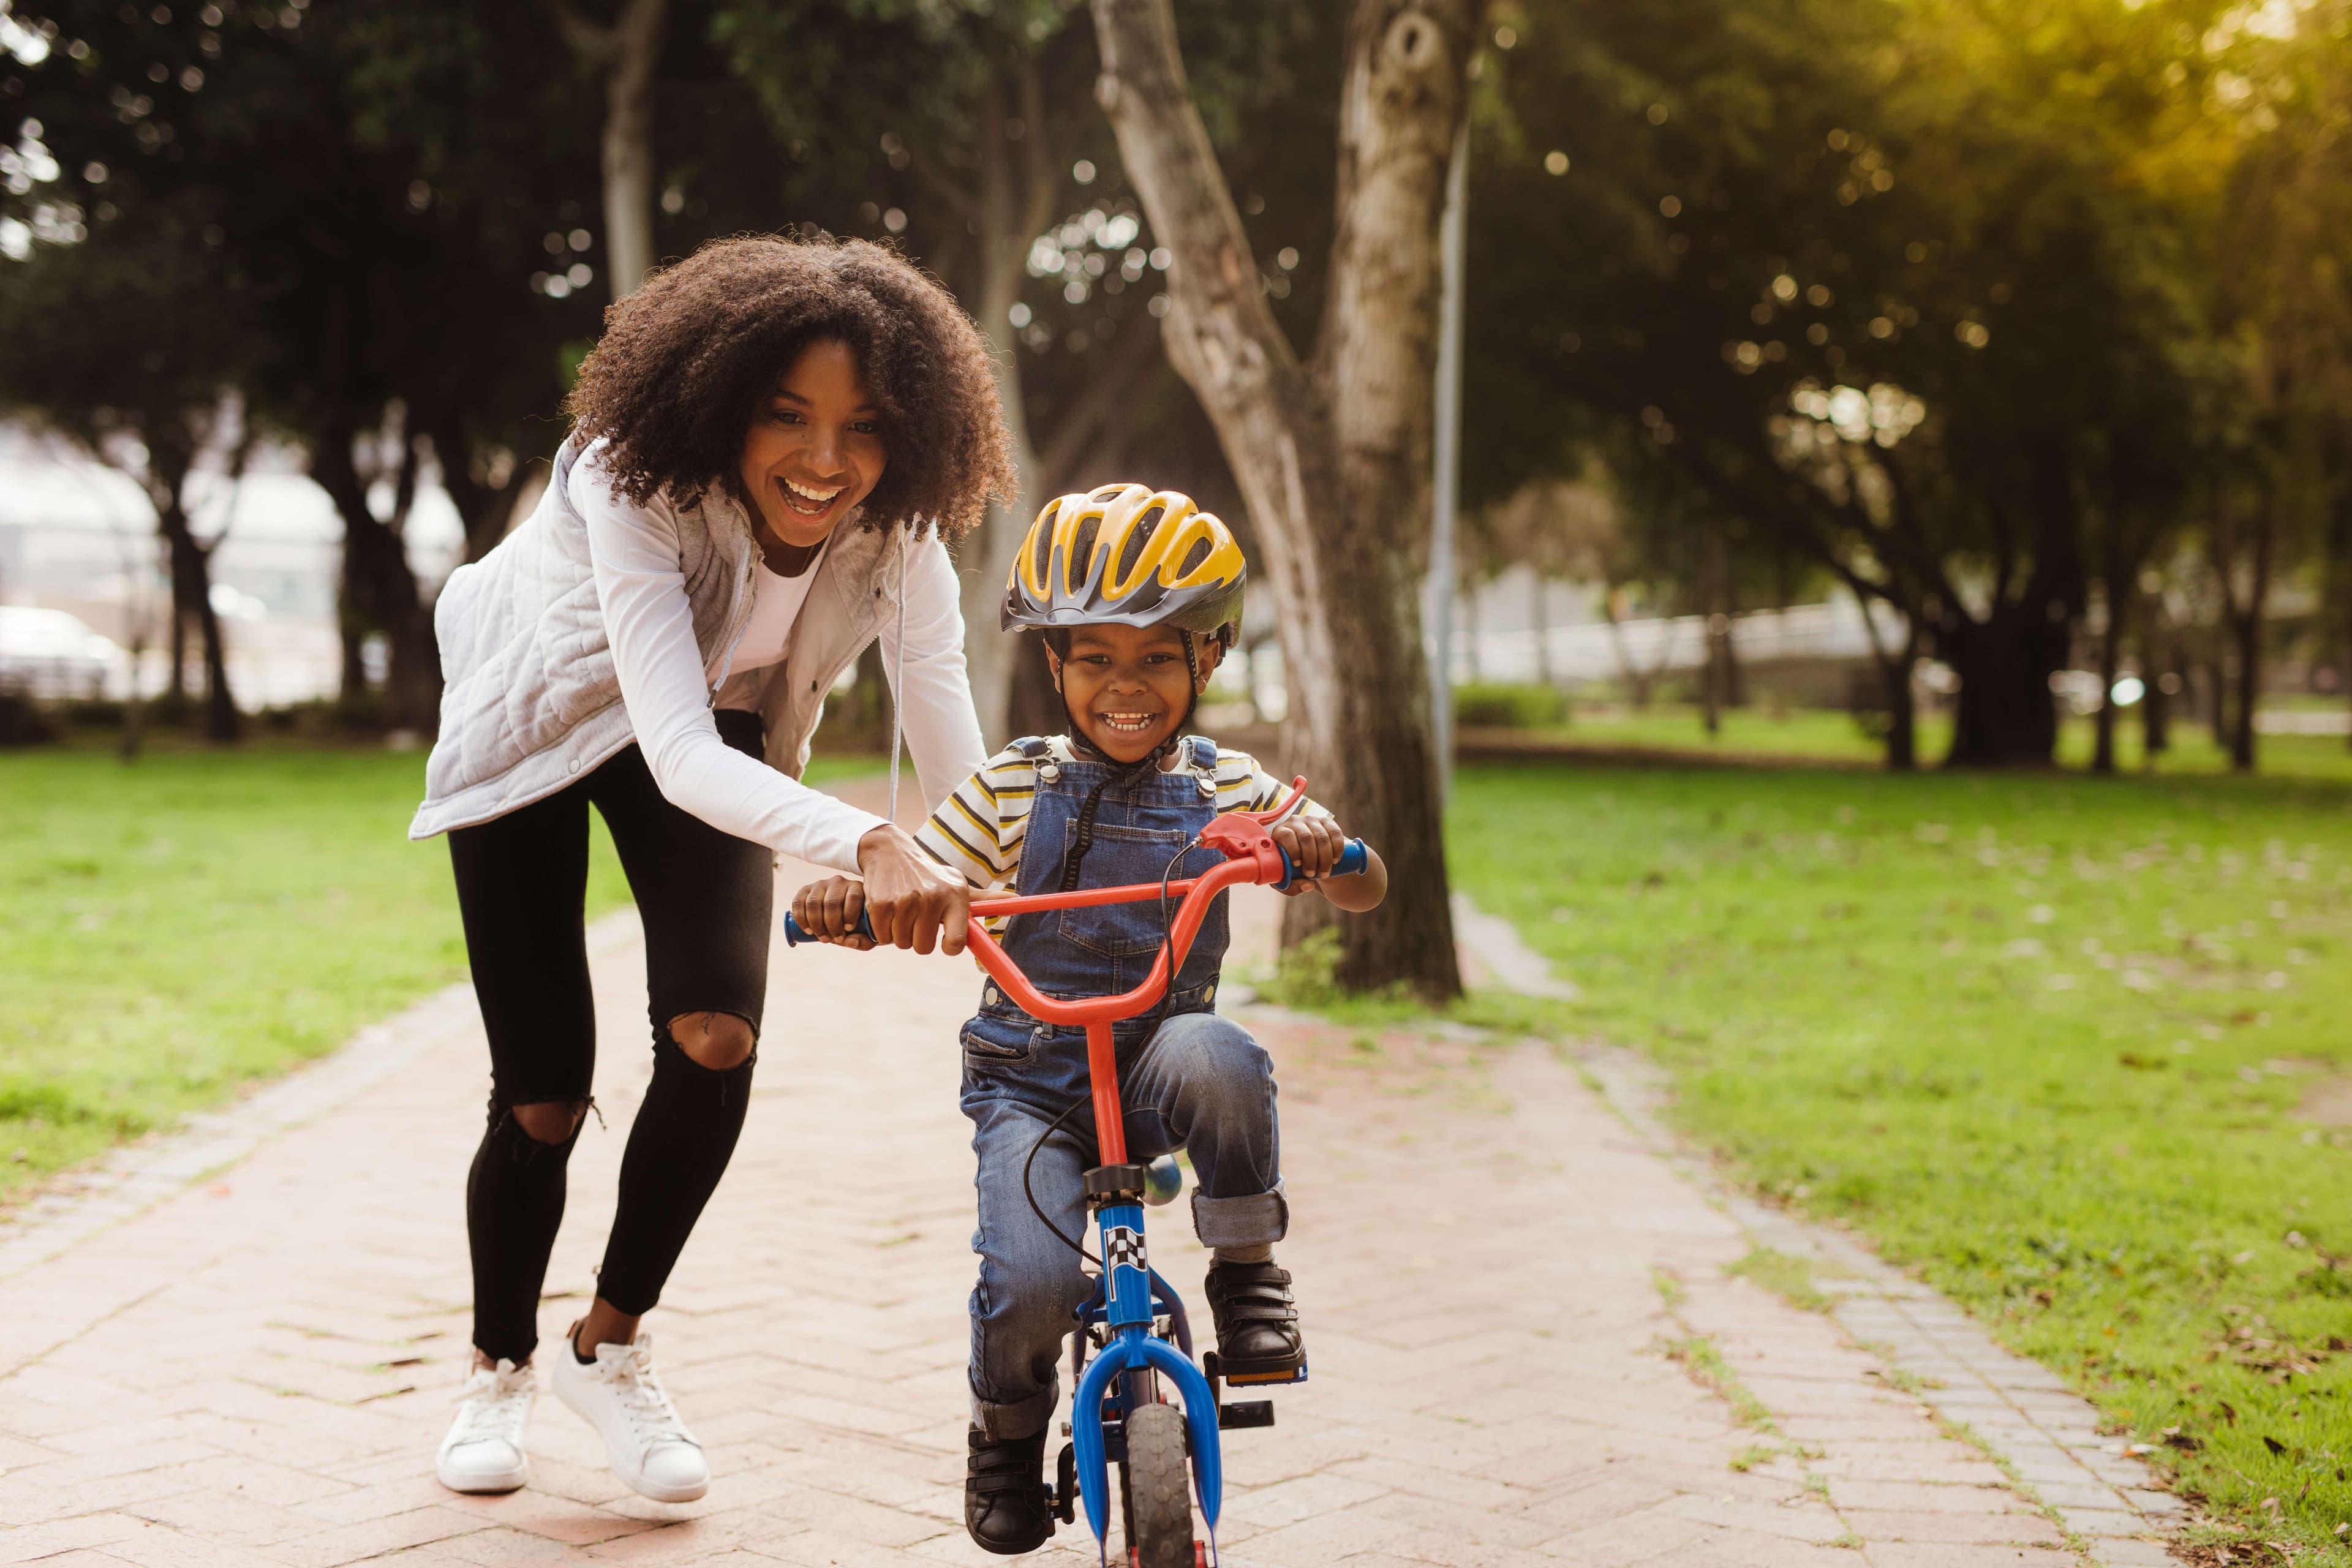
<point x="1123" y="1249"/>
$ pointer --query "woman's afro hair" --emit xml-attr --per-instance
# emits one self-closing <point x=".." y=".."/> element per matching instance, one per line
<point x="686" y="359"/>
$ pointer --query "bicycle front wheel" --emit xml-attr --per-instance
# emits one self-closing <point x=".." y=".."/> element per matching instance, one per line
<point x="1157" y="1486"/>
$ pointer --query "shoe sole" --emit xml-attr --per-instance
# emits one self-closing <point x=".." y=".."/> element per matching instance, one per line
<point x="635" y="1483"/>
<point x="487" y="1485"/>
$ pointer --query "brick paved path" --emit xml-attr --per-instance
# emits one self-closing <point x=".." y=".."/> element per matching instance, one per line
<point x="256" y="1371"/>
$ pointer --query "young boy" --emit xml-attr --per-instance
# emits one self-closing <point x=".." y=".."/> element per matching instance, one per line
<point x="1137" y="595"/>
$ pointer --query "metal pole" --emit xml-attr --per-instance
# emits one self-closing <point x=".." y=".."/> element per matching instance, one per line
<point x="1446" y="478"/>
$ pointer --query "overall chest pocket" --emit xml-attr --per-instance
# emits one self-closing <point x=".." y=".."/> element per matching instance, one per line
<point x="1122" y="856"/>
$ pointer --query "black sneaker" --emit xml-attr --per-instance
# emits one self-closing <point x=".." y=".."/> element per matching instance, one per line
<point x="1257" y="1324"/>
<point x="1005" y="1493"/>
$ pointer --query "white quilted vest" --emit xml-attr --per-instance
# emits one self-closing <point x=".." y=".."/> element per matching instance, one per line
<point x="530" y="700"/>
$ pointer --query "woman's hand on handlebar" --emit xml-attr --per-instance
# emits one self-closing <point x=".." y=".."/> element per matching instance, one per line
<point x="910" y="899"/>
<point x="828" y="910"/>
<point x="1314" y="845"/>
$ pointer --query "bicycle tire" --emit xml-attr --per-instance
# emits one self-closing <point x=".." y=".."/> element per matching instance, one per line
<point x="1156" y="1489"/>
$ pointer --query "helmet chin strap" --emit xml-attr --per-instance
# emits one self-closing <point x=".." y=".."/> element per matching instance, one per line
<point x="1121" y="773"/>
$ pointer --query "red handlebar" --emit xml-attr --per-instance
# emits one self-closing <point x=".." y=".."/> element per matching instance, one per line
<point x="1244" y="838"/>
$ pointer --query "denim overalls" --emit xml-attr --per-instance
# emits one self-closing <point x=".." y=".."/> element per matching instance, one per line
<point x="1188" y="1077"/>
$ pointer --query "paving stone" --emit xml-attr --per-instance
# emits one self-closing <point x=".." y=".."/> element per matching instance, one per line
<point x="254" y="1372"/>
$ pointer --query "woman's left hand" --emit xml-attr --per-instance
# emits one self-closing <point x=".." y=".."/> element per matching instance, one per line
<point x="828" y="910"/>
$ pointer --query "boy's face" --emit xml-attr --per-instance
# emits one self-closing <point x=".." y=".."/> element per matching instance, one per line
<point x="1128" y="688"/>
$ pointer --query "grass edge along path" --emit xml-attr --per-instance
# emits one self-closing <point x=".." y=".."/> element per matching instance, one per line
<point x="2048" y="1041"/>
<point x="177" y="930"/>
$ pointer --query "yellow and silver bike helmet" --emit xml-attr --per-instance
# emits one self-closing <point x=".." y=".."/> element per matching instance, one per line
<point x="1127" y="555"/>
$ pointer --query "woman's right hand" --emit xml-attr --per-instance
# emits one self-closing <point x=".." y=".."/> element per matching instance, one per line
<point x="828" y="910"/>
<point x="911" y="899"/>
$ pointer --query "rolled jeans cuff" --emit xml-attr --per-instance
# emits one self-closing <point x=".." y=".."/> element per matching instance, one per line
<point x="1022" y="1419"/>
<point x="1253" y="1220"/>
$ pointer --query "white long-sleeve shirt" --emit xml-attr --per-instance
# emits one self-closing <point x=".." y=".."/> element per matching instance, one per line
<point x="668" y="691"/>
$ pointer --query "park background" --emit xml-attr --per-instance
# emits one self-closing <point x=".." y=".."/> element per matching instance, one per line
<point x="1894" y="456"/>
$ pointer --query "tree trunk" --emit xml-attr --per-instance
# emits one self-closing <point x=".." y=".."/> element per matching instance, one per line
<point x="192" y="585"/>
<point x="630" y="52"/>
<point x="1629" y="668"/>
<point x="176" y="629"/>
<point x="1540" y="606"/>
<point x="2244" y="625"/>
<point x="190" y="559"/>
<point x="1901" y="713"/>
<point x="1009" y="210"/>
<point x="2111" y="649"/>
<point x="2155" y="713"/>
<point x="1717" y="630"/>
<point x="1035" y="707"/>
<point x="1333" y="459"/>
<point x="2249" y="630"/>
<point x="379" y="591"/>
<point x="1894" y="669"/>
<point x="2006" y="716"/>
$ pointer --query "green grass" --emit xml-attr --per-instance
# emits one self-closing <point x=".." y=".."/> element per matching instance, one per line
<point x="1790" y="1278"/>
<point x="175" y="929"/>
<point x="1818" y="735"/>
<point x="2043" y="1037"/>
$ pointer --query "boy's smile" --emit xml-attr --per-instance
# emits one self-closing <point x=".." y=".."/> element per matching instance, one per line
<point x="1128" y="687"/>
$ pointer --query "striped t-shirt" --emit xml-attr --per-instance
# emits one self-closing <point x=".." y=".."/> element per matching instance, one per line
<point x="979" y="829"/>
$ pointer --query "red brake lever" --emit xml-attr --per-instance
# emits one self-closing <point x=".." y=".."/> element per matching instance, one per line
<point x="1247" y="835"/>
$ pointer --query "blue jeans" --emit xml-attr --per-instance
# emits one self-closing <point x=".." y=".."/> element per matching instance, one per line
<point x="1200" y="1083"/>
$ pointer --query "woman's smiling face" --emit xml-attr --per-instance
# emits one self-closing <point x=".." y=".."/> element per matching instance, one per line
<point x="815" y="448"/>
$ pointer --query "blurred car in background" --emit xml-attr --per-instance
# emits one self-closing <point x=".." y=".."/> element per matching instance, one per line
<point x="50" y="654"/>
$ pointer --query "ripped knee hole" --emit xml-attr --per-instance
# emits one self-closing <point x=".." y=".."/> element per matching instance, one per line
<point x="550" y="1121"/>
<point x="720" y="1041"/>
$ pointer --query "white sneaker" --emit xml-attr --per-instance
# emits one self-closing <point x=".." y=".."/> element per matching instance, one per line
<point x="621" y="1396"/>
<point x="484" y="1452"/>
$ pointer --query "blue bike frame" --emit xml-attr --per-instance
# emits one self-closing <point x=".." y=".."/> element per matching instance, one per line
<point x="1130" y="1296"/>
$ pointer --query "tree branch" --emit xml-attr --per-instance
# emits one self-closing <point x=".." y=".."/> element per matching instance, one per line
<point x="591" y="41"/>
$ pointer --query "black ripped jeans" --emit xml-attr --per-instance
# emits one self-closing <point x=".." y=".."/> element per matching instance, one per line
<point x="706" y="899"/>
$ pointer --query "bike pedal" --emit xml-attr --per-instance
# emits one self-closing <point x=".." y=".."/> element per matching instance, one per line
<point x="1062" y="1498"/>
<point x="1265" y="1379"/>
<point x="1246" y="1413"/>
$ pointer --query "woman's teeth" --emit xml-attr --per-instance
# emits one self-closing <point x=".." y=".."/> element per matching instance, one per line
<point x="806" y="501"/>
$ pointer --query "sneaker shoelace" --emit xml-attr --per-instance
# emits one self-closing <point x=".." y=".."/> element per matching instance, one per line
<point x="494" y="1404"/>
<point x="652" y="1417"/>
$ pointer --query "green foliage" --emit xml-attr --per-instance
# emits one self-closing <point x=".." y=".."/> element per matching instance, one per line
<point x="1923" y="292"/>
<point x="1509" y="707"/>
<point x="2049" y="1040"/>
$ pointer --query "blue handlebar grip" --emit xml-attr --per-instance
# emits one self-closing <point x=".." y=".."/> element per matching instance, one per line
<point x="1354" y="859"/>
<point x="794" y="935"/>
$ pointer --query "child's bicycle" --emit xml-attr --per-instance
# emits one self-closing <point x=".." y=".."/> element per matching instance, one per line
<point x="1136" y="1323"/>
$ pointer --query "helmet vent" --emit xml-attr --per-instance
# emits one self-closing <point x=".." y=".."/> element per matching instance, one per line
<point x="1080" y="563"/>
<point x="1138" y="538"/>
<point x="1042" y="556"/>
<point x="1199" y="552"/>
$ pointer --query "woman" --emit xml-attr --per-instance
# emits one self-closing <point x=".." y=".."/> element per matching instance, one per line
<point x="768" y="447"/>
